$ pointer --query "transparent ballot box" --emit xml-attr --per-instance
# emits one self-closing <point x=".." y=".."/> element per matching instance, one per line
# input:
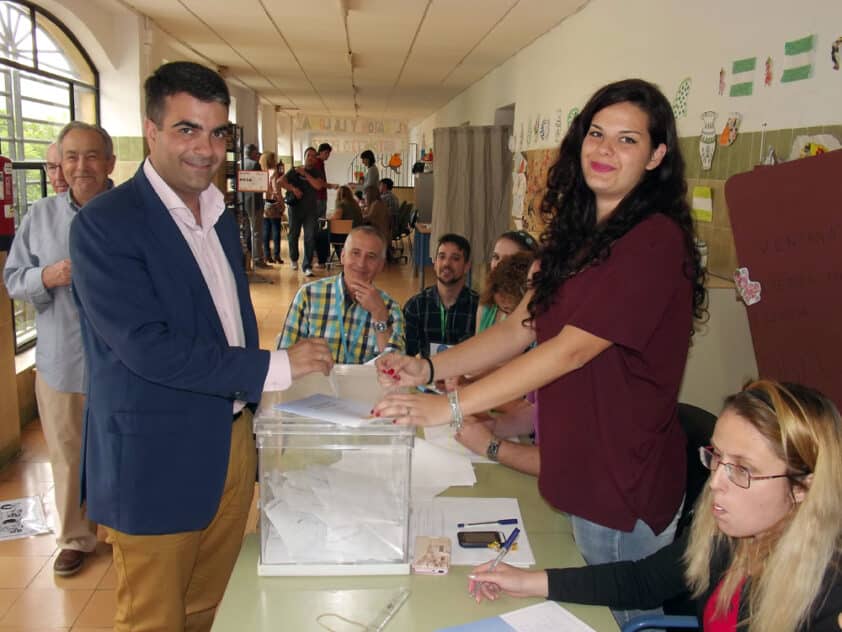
<point x="334" y="498"/>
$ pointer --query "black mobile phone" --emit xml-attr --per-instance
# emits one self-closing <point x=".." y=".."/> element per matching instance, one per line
<point x="479" y="539"/>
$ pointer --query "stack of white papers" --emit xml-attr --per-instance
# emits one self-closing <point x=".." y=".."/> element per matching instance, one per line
<point x="434" y="469"/>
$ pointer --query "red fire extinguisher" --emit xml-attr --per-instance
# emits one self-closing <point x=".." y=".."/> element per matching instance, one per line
<point x="7" y="209"/>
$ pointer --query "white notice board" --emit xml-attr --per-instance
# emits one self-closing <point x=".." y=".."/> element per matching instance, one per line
<point x="253" y="181"/>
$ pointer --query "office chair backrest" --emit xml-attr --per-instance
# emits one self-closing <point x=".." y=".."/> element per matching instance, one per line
<point x="698" y="426"/>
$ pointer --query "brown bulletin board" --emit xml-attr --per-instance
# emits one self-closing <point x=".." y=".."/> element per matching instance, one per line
<point x="538" y="163"/>
<point x="787" y="226"/>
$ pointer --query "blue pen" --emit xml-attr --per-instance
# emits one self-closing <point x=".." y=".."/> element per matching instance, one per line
<point x="507" y="545"/>
<point x="505" y="548"/>
<point x="474" y="524"/>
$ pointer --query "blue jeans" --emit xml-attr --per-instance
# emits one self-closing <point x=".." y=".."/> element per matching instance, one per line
<point x="271" y="232"/>
<point x="600" y="545"/>
<point x="302" y="218"/>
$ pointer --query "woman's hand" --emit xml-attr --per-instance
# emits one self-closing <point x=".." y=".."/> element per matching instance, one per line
<point x="395" y="369"/>
<point x="475" y="435"/>
<point x="414" y="409"/>
<point x="506" y="579"/>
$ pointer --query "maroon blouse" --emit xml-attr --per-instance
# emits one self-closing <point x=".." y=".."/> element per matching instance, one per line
<point x="612" y="449"/>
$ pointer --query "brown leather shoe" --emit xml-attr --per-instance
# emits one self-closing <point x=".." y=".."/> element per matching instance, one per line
<point x="68" y="562"/>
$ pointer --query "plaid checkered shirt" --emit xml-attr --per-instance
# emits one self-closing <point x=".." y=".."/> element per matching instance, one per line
<point x="321" y="310"/>
<point x="428" y="323"/>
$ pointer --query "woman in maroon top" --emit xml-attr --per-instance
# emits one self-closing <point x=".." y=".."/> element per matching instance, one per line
<point x="612" y="310"/>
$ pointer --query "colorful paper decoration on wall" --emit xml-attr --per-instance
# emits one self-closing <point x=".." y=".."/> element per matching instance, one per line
<point x="707" y="139"/>
<point x="742" y="77"/>
<point x="679" y="106"/>
<point x="834" y="52"/>
<point x="528" y="133"/>
<point x="545" y="129"/>
<point x="558" y="126"/>
<point x="573" y="113"/>
<point x="729" y="132"/>
<point x="767" y="74"/>
<point x="520" y="138"/>
<point x="702" y="204"/>
<point x="748" y="290"/>
<point x="798" y="59"/>
<point x="721" y="81"/>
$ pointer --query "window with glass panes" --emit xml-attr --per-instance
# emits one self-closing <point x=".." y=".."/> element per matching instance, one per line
<point x="46" y="81"/>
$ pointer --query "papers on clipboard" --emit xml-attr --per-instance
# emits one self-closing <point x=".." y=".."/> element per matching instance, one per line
<point x="440" y="516"/>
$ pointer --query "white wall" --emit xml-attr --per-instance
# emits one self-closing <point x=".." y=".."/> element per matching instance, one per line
<point x="125" y="49"/>
<point x="112" y="38"/>
<point x="663" y="41"/>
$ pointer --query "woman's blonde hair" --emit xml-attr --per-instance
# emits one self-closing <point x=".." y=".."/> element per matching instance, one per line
<point x="268" y="161"/>
<point x="787" y="564"/>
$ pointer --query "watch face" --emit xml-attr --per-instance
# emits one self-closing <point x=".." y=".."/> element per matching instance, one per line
<point x="380" y="326"/>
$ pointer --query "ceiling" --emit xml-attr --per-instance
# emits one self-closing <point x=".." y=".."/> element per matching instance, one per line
<point x="408" y="57"/>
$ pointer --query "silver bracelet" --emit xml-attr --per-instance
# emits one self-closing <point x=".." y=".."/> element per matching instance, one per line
<point x="456" y="419"/>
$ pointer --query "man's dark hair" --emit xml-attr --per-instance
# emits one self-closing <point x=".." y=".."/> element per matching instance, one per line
<point x="250" y="148"/>
<point x="200" y="82"/>
<point x="388" y="182"/>
<point x="463" y="244"/>
<point x="324" y="147"/>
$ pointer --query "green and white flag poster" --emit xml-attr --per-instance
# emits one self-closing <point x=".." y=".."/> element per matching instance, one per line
<point x="798" y="63"/>
<point x="742" y="77"/>
<point x="702" y="204"/>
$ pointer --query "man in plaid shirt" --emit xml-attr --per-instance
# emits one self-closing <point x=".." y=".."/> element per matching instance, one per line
<point x="443" y="314"/>
<point x="357" y="320"/>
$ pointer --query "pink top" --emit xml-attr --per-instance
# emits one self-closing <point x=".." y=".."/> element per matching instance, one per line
<point x="210" y="257"/>
<point x="612" y="449"/>
<point x="728" y="622"/>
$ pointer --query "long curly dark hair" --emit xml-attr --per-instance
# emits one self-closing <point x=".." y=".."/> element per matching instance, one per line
<point x="573" y="240"/>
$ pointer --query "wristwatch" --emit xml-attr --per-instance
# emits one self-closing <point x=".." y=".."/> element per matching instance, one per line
<point x="492" y="450"/>
<point x="380" y="326"/>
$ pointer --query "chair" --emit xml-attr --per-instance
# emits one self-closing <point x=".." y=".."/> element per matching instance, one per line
<point x="338" y="233"/>
<point x="648" y="622"/>
<point x="400" y="233"/>
<point x="698" y="427"/>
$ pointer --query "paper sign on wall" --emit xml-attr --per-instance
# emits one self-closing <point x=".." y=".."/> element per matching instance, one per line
<point x="702" y="204"/>
<point x="253" y="181"/>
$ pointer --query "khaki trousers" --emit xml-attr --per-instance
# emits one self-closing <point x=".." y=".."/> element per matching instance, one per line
<point x="174" y="582"/>
<point x="61" y="421"/>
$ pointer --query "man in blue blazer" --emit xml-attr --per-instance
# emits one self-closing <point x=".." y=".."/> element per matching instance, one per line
<point x="173" y="362"/>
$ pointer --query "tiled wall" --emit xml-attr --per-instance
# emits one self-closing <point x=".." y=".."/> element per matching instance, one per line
<point x="130" y="153"/>
<point x="741" y="156"/>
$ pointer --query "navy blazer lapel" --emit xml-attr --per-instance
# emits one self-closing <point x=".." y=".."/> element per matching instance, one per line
<point x="230" y="240"/>
<point x="163" y="225"/>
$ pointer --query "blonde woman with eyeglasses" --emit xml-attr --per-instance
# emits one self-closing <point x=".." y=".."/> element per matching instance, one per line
<point x="763" y="553"/>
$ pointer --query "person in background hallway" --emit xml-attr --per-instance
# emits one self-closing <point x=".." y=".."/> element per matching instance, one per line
<point x="619" y="240"/>
<point x="376" y="213"/>
<point x="273" y="207"/>
<point x="40" y="272"/>
<point x="372" y="175"/>
<point x="322" y="155"/>
<point x="54" y="173"/>
<point x="175" y="369"/>
<point x="253" y="206"/>
<point x="443" y="314"/>
<point x="763" y="552"/>
<point x="389" y="198"/>
<point x="303" y="182"/>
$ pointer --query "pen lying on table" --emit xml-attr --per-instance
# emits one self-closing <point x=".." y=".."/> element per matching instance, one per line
<point x="474" y="524"/>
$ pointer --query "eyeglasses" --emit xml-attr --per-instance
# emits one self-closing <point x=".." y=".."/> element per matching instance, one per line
<point x="737" y="474"/>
